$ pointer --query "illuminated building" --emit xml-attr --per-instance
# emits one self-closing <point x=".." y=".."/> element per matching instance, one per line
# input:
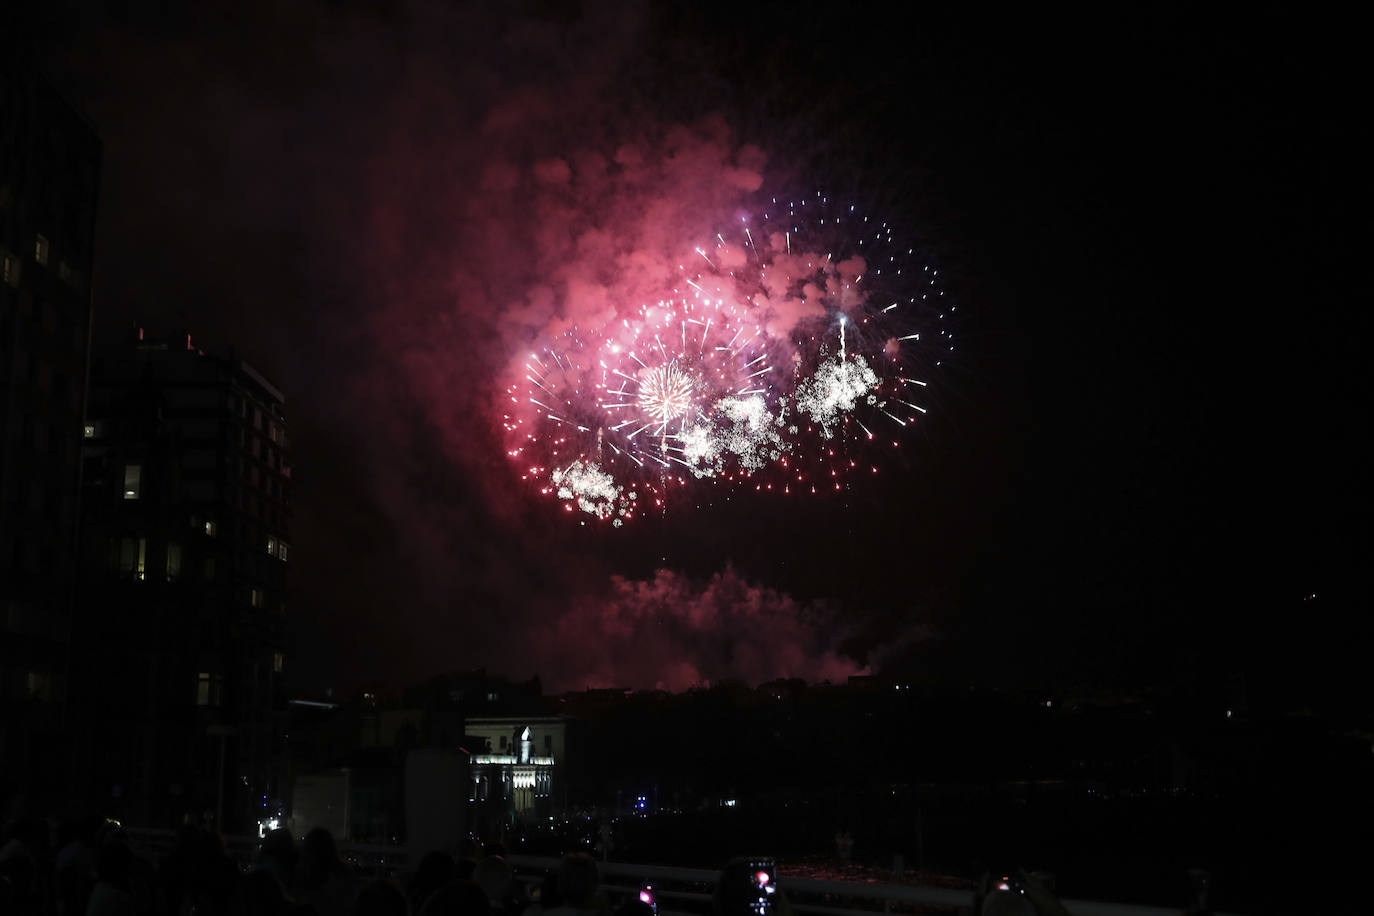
<point x="516" y="772"/>
<point x="49" y="178"/>
<point x="179" y="644"/>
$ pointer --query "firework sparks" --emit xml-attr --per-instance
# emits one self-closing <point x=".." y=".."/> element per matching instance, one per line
<point x="833" y="391"/>
<point x="670" y="367"/>
<point x="665" y="392"/>
<point x="743" y="433"/>
<point x="594" y="491"/>
<point x="777" y="353"/>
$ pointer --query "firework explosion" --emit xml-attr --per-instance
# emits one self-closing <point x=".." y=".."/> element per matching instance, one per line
<point x="779" y="353"/>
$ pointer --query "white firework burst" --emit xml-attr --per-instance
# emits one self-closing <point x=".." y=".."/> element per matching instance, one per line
<point x="593" y="491"/>
<point x="666" y="393"/>
<point x="834" y="389"/>
<point x="740" y="432"/>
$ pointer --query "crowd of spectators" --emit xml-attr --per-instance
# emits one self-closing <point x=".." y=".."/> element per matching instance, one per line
<point x="92" y="867"/>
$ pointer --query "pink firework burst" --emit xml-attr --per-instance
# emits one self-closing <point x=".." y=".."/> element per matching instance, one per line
<point x="789" y="350"/>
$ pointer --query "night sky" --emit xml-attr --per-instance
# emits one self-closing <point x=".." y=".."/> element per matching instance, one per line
<point x="1150" y="445"/>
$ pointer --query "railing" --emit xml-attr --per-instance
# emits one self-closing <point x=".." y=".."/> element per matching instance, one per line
<point x="694" y="886"/>
<point x="688" y="891"/>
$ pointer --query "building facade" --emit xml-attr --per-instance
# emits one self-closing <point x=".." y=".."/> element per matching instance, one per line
<point x="516" y="772"/>
<point x="179" y="643"/>
<point x="49" y="183"/>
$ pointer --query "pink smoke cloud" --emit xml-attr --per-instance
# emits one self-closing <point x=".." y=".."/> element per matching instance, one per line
<point x="674" y="632"/>
<point x="601" y="240"/>
<point x="552" y="171"/>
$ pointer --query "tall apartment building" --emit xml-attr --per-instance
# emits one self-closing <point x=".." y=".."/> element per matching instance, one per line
<point x="178" y="648"/>
<point x="49" y="182"/>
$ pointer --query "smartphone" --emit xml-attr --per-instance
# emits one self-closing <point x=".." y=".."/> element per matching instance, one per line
<point x="763" y="880"/>
<point x="1004" y="895"/>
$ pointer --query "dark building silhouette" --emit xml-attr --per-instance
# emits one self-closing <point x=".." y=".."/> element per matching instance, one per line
<point x="351" y="761"/>
<point x="179" y="639"/>
<point x="49" y="182"/>
<point x="519" y="748"/>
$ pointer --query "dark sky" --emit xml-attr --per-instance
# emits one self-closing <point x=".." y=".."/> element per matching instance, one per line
<point x="1150" y="447"/>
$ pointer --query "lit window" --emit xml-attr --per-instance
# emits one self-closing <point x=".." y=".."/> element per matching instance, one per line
<point x="133" y="480"/>
<point x="278" y="662"/>
<point x="271" y="547"/>
<point x="173" y="562"/>
<point x="209" y="688"/>
<point x="210" y="527"/>
<point x="129" y="556"/>
<point x="255" y="597"/>
<point x="40" y="250"/>
<point x="282" y="548"/>
<point x="88" y="431"/>
<point x="9" y="268"/>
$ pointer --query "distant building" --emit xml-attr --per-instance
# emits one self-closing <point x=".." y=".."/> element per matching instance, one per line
<point x="49" y="181"/>
<point x="519" y="752"/>
<point x="179" y="644"/>
<point x="515" y="774"/>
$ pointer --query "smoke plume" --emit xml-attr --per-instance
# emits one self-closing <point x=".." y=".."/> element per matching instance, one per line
<point x="673" y="632"/>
